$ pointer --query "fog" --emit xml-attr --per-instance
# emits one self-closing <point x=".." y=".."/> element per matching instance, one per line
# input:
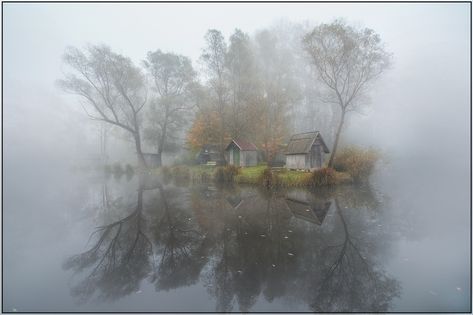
<point x="411" y="219"/>
<point x="421" y="101"/>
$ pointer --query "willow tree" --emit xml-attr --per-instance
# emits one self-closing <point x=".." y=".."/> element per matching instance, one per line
<point x="347" y="60"/>
<point x="110" y="86"/>
<point x="173" y="77"/>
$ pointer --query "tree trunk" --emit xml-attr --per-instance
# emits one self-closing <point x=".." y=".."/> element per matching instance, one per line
<point x="337" y="137"/>
<point x="160" y="151"/>
<point x="139" y="152"/>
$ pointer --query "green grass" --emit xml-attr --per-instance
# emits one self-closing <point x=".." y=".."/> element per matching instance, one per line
<point x="252" y="175"/>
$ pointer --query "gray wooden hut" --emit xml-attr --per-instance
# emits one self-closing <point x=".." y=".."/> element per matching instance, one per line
<point x="241" y="153"/>
<point x="210" y="153"/>
<point x="306" y="151"/>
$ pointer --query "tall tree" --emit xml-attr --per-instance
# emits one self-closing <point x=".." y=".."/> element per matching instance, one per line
<point x="244" y="86"/>
<point x="111" y="86"/>
<point x="347" y="60"/>
<point x="214" y="57"/>
<point x="172" y="76"/>
<point x="278" y="93"/>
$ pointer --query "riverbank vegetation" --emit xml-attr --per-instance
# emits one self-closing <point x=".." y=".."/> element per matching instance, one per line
<point x="262" y="88"/>
<point x="352" y="164"/>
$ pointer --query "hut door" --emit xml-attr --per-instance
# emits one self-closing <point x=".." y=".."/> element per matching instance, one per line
<point x="236" y="157"/>
<point x="316" y="157"/>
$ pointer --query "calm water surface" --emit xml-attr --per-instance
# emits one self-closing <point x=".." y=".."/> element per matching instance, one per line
<point x="85" y="242"/>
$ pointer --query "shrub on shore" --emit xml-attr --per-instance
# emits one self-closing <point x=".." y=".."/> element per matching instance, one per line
<point x="322" y="177"/>
<point x="269" y="179"/>
<point x="181" y="173"/>
<point x="226" y="174"/>
<point x="358" y="162"/>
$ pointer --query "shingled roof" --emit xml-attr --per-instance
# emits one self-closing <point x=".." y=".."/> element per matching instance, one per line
<point x="243" y="145"/>
<point x="302" y="142"/>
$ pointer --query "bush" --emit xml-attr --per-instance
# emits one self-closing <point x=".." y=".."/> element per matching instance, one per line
<point x="181" y="173"/>
<point x="117" y="168"/>
<point x="166" y="171"/>
<point x="269" y="179"/>
<point x="129" y="169"/>
<point x="358" y="162"/>
<point x="226" y="174"/>
<point x="322" y="177"/>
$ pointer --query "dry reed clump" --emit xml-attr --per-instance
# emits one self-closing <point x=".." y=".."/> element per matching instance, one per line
<point x="269" y="179"/>
<point x="226" y="174"/>
<point x="322" y="177"/>
<point x="358" y="162"/>
<point x="181" y="173"/>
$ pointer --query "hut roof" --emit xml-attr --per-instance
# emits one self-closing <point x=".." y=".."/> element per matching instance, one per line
<point x="302" y="142"/>
<point x="243" y="145"/>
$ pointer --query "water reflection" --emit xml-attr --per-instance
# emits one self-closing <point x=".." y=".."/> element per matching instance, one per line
<point x="119" y="259"/>
<point x="243" y="244"/>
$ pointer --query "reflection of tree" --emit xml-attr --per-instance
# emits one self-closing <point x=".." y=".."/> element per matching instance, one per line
<point x="350" y="282"/>
<point x="180" y="244"/>
<point x="119" y="260"/>
<point x="244" y="245"/>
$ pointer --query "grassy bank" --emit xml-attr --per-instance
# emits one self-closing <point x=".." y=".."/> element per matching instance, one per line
<point x="255" y="175"/>
<point x="352" y="164"/>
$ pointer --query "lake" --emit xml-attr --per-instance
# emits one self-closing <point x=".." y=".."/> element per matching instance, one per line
<point x="78" y="242"/>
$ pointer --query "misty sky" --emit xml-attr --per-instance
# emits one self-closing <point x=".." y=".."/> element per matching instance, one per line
<point x="422" y="102"/>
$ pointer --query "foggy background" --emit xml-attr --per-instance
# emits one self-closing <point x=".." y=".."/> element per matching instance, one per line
<point x="419" y="114"/>
<point x="419" y="108"/>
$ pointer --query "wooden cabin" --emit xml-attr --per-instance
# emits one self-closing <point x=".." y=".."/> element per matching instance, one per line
<point x="241" y="153"/>
<point x="306" y="151"/>
<point x="210" y="154"/>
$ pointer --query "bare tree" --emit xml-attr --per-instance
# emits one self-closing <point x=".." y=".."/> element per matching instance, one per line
<point x="173" y="78"/>
<point x="347" y="60"/>
<point x="111" y="87"/>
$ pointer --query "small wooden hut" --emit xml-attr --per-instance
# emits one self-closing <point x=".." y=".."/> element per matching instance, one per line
<point x="210" y="154"/>
<point x="306" y="151"/>
<point x="241" y="153"/>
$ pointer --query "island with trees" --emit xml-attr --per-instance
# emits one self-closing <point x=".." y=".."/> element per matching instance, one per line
<point x="261" y="90"/>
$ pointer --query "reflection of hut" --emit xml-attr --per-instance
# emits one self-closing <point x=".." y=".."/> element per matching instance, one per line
<point x="306" y="151"/>
<point x="235" y="201"/>
<point x="241" y="153"/>
<point x="151" y="160"/>
<point x="209" y="153"/>
<point x="314" y="212"/>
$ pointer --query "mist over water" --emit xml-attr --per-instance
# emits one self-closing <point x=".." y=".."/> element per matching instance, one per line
<point x="401" y="243"/>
